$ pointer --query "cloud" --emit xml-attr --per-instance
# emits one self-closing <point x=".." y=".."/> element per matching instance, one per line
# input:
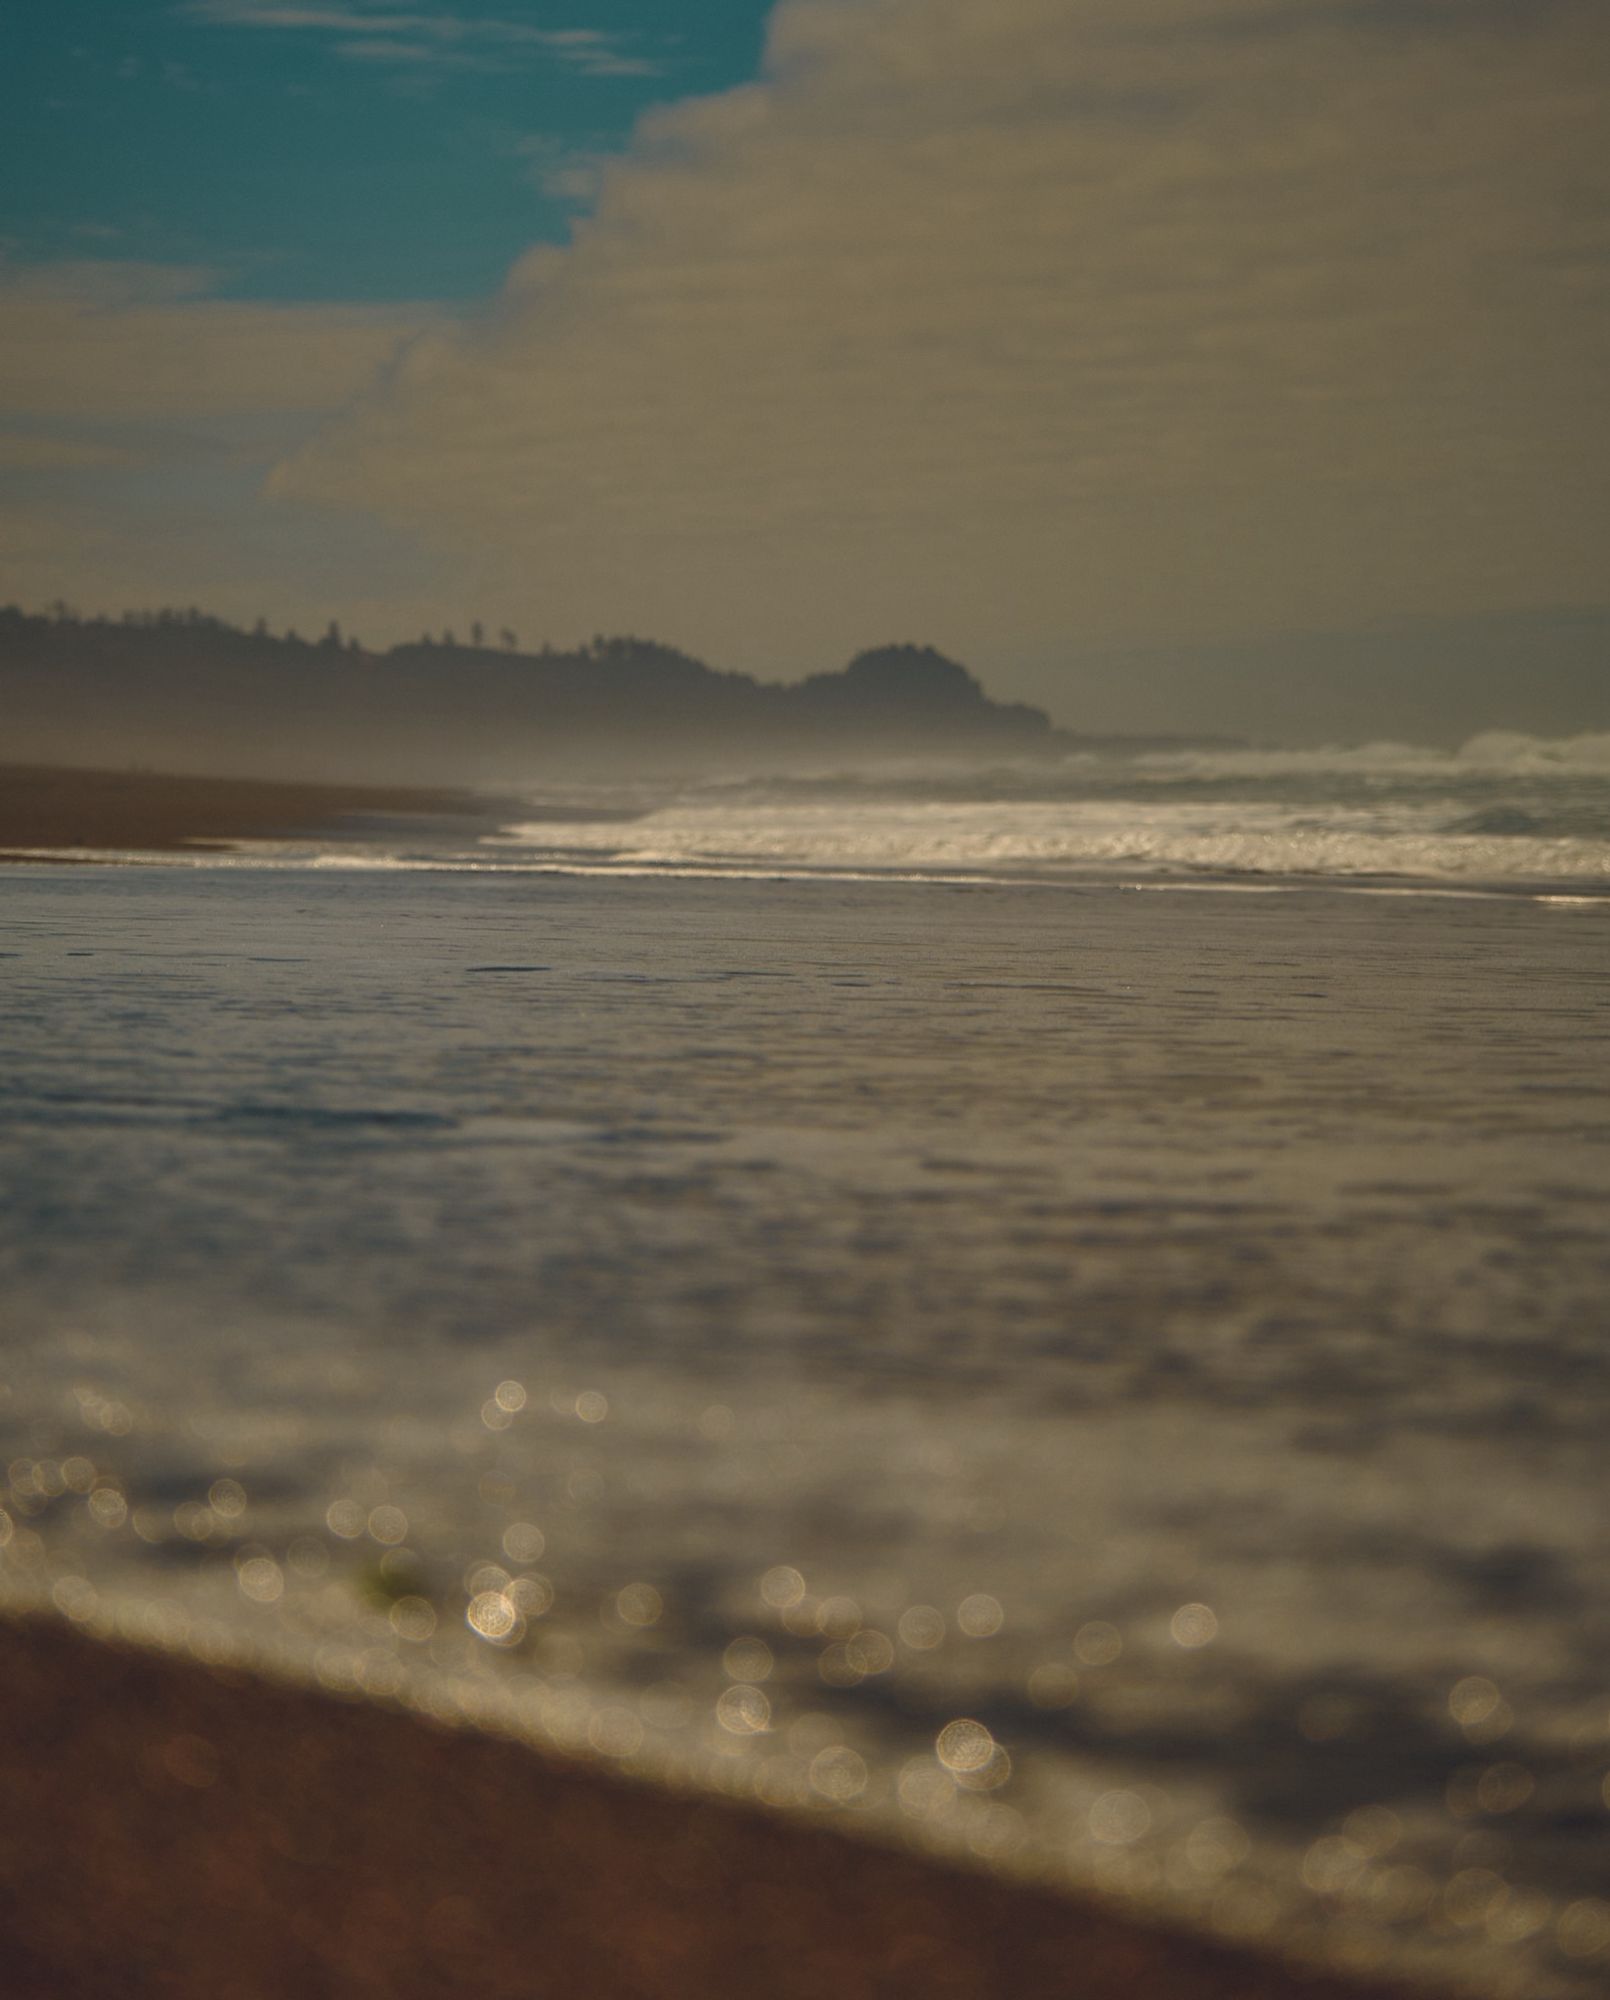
<point x="139" y="415"/>
<point x="410" y="54"/>
<point x="132" y="342"/>
<point x="562" y="171"/>
<point x="29" y="451"/>
<point x="377" y="33"/>
<point x="1044" y="322"/>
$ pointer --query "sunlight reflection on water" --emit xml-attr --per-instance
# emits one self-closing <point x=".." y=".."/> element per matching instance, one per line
<point x="1113" y="1386"/>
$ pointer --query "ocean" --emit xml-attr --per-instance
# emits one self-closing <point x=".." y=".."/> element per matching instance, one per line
<point x="1055" y="1314"/>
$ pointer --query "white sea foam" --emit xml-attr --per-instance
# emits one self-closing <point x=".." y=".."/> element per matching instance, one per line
<point x="1503" y="812"/>
<point x="1501" y="809"/>
<point x="1492" y="753"/>
<point x="1068" y="836"/>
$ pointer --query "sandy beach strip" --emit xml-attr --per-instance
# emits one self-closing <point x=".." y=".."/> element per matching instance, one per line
<point x="193" y="1834"/>
<point x="50" y="808"/>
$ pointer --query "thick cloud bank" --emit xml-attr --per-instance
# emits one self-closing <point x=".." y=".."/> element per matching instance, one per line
<point x="1044" y="323"/>
<point x="138" y="415"/>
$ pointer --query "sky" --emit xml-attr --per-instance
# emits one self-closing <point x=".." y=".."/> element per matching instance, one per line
<point x="1086" y="339"/>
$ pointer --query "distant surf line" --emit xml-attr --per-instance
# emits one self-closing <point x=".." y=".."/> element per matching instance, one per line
<point x="1577" y="895"/>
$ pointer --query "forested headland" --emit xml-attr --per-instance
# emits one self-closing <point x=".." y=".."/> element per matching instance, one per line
<point x="178" y="690"/>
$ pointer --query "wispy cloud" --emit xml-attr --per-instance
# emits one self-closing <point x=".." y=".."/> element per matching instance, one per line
<point x="414" y="55"/>
<point x="381" y="34"/>
<point x="563" y="172"/>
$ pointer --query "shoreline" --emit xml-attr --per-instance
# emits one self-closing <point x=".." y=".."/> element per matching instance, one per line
<point x="49" y="807"/>
<point x="183" y="1831"/>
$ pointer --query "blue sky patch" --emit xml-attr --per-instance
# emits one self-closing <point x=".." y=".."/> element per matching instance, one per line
<point x="339" y="149"/>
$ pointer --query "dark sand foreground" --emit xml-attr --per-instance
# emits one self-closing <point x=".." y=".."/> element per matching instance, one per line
<point x="173" y="1831"/>
<point x="48" y="807"/>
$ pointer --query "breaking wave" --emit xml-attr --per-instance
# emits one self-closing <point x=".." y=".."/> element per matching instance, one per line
<point x="1501" y="810"/>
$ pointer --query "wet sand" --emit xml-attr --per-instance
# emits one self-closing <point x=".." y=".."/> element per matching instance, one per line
<point x="46" y="807"/>
<point x="197" y="1834"/>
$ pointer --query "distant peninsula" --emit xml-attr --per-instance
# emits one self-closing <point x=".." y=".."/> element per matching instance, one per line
<point x="181" y="691"/>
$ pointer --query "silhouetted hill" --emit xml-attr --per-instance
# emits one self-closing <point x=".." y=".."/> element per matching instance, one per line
<point x="181" y="691"/>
